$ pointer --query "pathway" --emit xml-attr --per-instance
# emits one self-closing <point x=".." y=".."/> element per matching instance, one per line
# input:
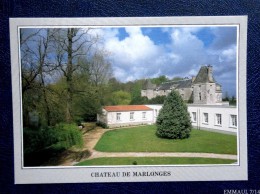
<point x="96" y="154"/>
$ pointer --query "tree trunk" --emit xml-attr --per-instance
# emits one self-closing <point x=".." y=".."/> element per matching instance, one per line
<point x="69" y="77"/>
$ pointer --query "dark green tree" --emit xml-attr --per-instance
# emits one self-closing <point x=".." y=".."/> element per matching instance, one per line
<point x="120" y="98"/>
<point x="226" y="97"/>
<point x="233" y="101"/>
<point x="173" y="120"/>
<point x="159" y="80"/>
<point x="140" y="100"/>
<point x="157" y="100"/>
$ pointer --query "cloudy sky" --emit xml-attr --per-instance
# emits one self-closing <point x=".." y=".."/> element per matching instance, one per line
<point x="146" y="52"/>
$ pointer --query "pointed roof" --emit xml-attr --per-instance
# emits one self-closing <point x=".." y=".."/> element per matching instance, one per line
<point x="185" y="83"/>
<point x="204" y="75"/>
<point x="149" y="85"/>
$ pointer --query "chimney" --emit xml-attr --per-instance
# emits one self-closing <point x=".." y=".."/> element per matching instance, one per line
<point x="193" y="78"/>
<point x="210" y="76"/>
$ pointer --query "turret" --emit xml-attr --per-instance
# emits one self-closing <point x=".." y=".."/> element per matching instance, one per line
<point x="210" y="72"/>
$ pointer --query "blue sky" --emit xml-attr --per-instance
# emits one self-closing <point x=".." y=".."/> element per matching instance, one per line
<point x="146" y="52"/>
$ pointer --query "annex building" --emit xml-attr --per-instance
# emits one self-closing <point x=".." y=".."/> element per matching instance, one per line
<point x="210" y="117"/>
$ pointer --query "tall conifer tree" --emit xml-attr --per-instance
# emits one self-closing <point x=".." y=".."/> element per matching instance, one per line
<point x="173" y="120"/>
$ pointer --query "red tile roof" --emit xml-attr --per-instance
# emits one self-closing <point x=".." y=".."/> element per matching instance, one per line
<point x="126" y="108"/>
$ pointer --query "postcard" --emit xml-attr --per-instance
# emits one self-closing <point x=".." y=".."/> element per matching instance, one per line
<point x="129" y="99"/>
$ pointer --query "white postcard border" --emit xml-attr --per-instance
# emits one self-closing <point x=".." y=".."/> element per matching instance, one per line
<point x="177" y="173"/>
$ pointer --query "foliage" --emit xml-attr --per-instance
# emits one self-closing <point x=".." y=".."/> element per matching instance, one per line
<point x="173" y="120"/>
<point x="159" y="80"/>
<point x="142" y="139"/>
<point x="86" y="102"/>
<point x="177" y="78"/>
<point x="226" y="98"/>
<point x="35" y="140"/>
<point x="233" y="101"/>
<point x="157" y="100"/>
<point x="63" y="73"/>
<point x="101" y="124"/>
<point x="140" y="100"/>
<point x="69" y="135"/>
<point x="62" y="135"/>
<point x="120" y="98"/>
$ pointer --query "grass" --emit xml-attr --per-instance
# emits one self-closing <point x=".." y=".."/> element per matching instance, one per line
<point x="153" y="161"/>
<point x="143" y="139"/>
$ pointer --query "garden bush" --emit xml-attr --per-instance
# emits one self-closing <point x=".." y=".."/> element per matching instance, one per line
<point x="173" y="120"/>
<point x="61" y="135"/>
<point x="101" y="124"/>
<point x="38" y="139"/>
<point x="69" y="135"/>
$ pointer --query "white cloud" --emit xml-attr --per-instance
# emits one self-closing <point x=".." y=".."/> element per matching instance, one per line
<point x="187" y="49"/>
<point x="224" y="37"/>
<point x="229" y="54"/>
<point x="137" y="56"/>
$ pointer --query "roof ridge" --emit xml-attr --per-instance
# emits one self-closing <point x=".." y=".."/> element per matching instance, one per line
<point x="118" y="108"/>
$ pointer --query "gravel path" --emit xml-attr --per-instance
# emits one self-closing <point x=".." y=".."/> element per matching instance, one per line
<point x="96" y="154"/>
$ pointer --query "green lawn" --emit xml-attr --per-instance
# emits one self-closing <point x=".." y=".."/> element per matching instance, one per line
<point x="153" y="161"/>
<point x="143" y="139"/>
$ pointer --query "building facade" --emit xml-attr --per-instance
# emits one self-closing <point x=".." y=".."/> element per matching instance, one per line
<point x="209" y="117"/>
<point x="126" y="115"/>
<point x="201" y="89"/>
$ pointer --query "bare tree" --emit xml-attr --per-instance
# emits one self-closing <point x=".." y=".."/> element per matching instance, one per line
<point x="72" y="44"/>
<point x="100" y="68"/>
<point x="35" y="48"/>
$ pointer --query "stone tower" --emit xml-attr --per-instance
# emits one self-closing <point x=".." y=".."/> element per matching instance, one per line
<point x="205" y="89"/>
<point x="148" y="89"/>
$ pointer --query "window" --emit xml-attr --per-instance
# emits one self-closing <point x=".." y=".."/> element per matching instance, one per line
<point x="118" y="116"/>
<point x="144" y="115"/>
<point x="218" y="119"/>
<point x="233" y="120"/>
<point x="193" y="117"/>
<point x="205" y="118"/>
<point x="200" y="96"/>
<point x="131" y="115"/>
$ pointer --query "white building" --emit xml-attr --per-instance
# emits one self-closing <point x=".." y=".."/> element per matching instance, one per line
<point x="210" y="117"/>
<point x="216" y="117"/>
<point x="126" y="115"/>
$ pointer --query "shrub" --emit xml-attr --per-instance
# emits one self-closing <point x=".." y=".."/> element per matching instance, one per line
<point x="62" y="136"/>
<point x="101" y="124"/>
<point x="78" y="120"/>
<point x="173" y="120"/>
<point x="38" y="139"/>
<point x="69" y="135"/>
